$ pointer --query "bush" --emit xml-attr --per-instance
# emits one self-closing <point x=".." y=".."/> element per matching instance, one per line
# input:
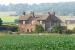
<point x="39" y="29"/>
<point x="13" y="28"/>
<point x="74" y="30"/>
<point x="9" y="32"/>
<point x="69" y="31"/>
<point x="56" y="29"/>
<point x="8" y="28"/>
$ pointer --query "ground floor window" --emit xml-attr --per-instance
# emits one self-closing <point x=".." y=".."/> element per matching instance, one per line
<point x="27" y="30"/>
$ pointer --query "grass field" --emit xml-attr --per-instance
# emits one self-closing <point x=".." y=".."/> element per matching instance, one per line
<point x="37" y="42"/>
<point x="8" y="18"/>
<point x="5" y="16"/>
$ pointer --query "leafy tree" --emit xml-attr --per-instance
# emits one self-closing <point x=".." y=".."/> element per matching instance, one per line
<point x="1" y="21"/>
<point x="60" y="8"/>
<point x="39" y="29"/>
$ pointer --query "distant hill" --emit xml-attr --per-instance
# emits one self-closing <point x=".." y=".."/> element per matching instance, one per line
<point x="65" y="8"/>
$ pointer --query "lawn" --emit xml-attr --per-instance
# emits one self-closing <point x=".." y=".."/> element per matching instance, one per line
<point x="37" y="42"/>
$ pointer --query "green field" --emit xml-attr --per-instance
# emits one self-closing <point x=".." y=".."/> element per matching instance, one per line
<point x="8" y="18"/>
<point x="5" y="16"/>
<point x="37" y="42"/>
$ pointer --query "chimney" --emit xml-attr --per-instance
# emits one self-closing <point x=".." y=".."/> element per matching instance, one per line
<point x="32" y="14"/>
<point x="53" y="13"/>
<point x="24" y="13"/>
<point x="49" y="13"/>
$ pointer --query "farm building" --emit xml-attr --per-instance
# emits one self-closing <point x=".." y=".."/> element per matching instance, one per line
<point x="69" y="22"/>
<point x="28" y="21"/>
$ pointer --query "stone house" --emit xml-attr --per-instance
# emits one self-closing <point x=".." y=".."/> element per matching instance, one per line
<point x="28" y="21"/>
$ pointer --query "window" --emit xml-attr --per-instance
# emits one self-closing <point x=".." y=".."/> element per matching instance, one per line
<point x="27" y="30"/>
<point x="27" y="22"/>
<point x="20" y="21"/>
<point x="42" y="22"/>
<point x="23" y="22"/>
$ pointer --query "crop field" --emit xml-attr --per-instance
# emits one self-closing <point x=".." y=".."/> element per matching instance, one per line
<point x="37" y="42"/>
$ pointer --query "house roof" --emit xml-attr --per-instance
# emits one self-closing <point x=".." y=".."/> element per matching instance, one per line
<point x="42" y="17"/>
<point x="24" y="17"/>
<point x="71" y="18"/>
<point x="37" y="17"/>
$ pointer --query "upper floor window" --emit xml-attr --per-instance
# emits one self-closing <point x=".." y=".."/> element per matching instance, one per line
<point x="20" y="21"/>
<point x="27" y="22"/>
<point x="24" y="22"/>
<point x="42" y="22"/>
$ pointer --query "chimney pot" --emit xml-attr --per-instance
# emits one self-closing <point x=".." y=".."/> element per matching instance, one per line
<point x="53" y="13"/>
<point x="49" y="13"/>
<point x="24" y="13"/>
<point x="32" y="14"/>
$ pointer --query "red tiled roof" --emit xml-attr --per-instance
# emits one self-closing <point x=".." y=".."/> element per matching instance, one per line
<point x="24" y="17"/>
<point x="37" y="17"/>
<point x="42" y="17"/>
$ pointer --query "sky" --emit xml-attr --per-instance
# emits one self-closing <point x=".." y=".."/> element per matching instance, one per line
<point x="32" y="1"/>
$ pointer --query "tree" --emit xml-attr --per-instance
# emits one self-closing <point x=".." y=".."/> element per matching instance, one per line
<point x="1" y="21"/>
<point x="39" y="29"/>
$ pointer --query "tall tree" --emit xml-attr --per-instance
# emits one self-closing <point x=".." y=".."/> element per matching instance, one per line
<point x="1" y="21"/>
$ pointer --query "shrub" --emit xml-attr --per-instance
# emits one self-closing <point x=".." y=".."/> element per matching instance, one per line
<point x="56" y="29"/>
<point x="8" y="28"/>
<point x="9" y="32"/>
<point x="13" y="28"/>
<point x="39" y="29"/>
<point x="69" y="31"/>
<point x="73" y="30"/>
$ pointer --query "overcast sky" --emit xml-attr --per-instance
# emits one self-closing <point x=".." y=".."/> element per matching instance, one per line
<point x="32" y="1"/>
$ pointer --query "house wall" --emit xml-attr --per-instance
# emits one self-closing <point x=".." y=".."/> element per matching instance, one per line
<point x="70" y="26"/>
<point x="51" y="21"/>
<point x="28" y="27"/>
<point x="48" y="23"/>
<point x="25" y="27"/>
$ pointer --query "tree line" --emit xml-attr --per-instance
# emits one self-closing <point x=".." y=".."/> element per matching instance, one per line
<point x="66" y="8"/>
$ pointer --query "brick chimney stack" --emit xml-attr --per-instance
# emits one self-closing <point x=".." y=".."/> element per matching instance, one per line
<point x="24" y="13"/>
<point x="32" y="14"/>
<point x="53" y="13"/>
<point x="49" y="13"/>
